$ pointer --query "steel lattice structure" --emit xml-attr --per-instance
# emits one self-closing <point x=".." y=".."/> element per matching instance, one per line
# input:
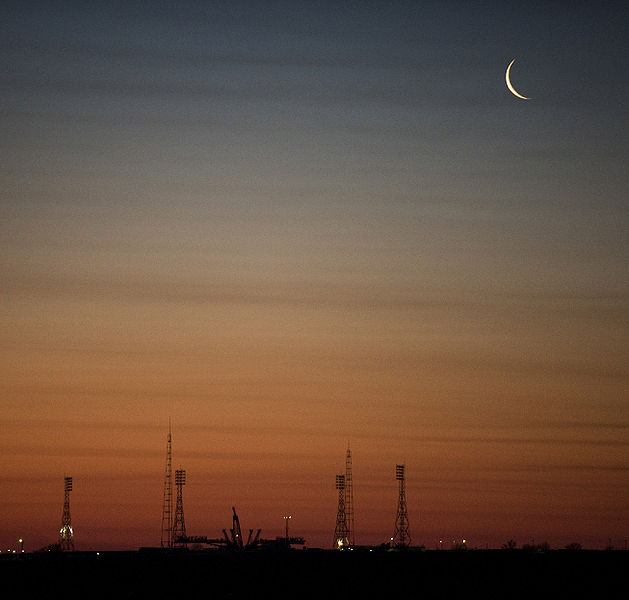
<point x="179" y="523"/>
<point x="341" y="533"/>
<point x="401" y="536"/>
<point x="66" y="533"/>
<point x="167" y="506"/>
<point x="349" y="498"/>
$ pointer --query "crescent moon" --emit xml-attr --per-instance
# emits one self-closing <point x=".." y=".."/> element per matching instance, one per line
<point x="511" y="88"/>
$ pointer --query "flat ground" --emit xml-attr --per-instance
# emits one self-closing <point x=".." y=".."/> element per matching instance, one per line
<point x="319" y="574"/>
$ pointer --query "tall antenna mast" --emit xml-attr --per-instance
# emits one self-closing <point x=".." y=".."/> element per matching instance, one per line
<point x="349" y="497"/>
<point x="341" y="534"/>
<point x="179" y="523"/>
<point x="66" y="533"/>
<point x="402" y="536"/>
<point x="167" y="506"/>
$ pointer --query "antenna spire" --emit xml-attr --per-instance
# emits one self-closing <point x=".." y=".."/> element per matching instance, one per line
<point x="349" y="497"/>
<point x="167" y="505"/>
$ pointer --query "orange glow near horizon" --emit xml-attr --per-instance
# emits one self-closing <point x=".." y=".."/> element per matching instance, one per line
<point x="296" y="227"/>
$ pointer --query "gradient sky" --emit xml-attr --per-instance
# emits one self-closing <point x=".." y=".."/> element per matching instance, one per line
<point x="290" y="227"/>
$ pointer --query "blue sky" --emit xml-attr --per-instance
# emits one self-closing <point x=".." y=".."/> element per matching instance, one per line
<point x="331" y="215"/>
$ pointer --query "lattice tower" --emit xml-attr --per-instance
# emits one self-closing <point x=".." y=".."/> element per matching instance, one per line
<point x="179" y="523"/>
<point x="341" y="534"/>
<point x="349" y="498"/>
<point x="66" y="533"/>
<point x="401" y="536"/>
<point x="167" y="505"/>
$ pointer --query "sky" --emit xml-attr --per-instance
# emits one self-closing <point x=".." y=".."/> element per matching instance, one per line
<point x="292" y="227"/>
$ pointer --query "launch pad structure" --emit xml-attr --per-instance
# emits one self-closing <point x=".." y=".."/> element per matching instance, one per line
<point x="174" y="534"/>
<point x="234" y="539"/>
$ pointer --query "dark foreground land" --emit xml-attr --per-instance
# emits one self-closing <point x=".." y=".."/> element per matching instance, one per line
<point x="309" y="574"/>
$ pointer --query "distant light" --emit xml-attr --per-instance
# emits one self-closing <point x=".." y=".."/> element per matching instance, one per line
<point x="20" y="540"/>
<point x="465" y="541"/>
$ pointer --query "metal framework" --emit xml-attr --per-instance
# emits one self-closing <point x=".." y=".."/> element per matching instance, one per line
<point x="66" y="533"/>
<point x="401" y="536"/>
<point x="167" y="505"/>
<point x="349" y="498"/>
<point x="236" y="541"/>
<point x="341" y="533"/>
<point x="179" y="523"/>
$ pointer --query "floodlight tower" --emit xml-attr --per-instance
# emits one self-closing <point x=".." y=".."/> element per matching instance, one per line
<point x="167" y="505"/>
<point x="401" y="537"/>
<point x="341" y="534"/>
<point x="179" y="524"/>
<point x="349" y="497"/>
<point x="66" y="533"/>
